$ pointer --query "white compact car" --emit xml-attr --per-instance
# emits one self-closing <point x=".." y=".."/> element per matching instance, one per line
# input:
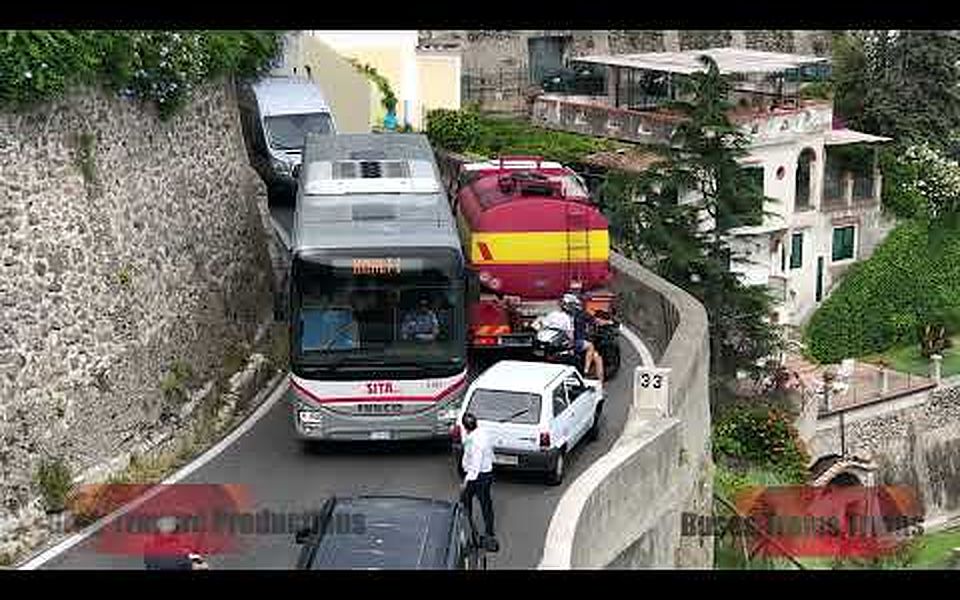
<point x="534" y="412"/>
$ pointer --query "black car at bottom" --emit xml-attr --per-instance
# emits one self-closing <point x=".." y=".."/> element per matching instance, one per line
<point x="390" y="532"/>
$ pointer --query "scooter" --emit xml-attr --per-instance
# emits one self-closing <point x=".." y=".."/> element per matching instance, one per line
<point x="553" y="345"/>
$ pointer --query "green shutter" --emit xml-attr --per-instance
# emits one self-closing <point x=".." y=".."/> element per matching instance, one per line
<point x="796" y="251"/>
<point x="843" y="243"/>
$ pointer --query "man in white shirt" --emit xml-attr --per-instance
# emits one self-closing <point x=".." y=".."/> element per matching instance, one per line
<point x="478" y="468"/>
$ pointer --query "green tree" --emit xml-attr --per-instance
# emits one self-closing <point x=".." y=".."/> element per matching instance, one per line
<point x="689" y="243"/>
<point x="903" y="84"/>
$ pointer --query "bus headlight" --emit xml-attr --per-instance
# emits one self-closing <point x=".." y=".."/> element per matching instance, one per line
<point x="310" y="417"/>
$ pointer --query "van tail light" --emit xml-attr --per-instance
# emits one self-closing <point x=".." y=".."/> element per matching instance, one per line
<point x="455" y="434"/>
<point x="545" y="439"/>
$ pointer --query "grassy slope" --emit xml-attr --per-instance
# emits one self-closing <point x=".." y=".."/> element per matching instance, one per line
<point x="907" y="359"/>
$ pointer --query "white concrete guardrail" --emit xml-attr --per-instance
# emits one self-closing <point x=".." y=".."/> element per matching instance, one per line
<point x="625" y="510"/>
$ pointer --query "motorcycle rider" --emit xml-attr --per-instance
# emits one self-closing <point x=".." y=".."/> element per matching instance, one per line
<point x="573" y="321"/>
<point x="581" y="320"/>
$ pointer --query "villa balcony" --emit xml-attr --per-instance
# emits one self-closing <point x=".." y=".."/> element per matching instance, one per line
<point x="596" y="116"/>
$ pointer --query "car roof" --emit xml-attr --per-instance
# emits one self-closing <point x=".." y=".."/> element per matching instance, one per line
<point x="399" y="532"/>
<point x="289" y="95"/>
<point x="520" y="376"/>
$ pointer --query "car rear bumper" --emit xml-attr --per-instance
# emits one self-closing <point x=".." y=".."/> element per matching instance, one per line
<point x="526" y="460"/>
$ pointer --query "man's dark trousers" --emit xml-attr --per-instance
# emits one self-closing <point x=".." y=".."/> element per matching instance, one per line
<point x="480" y="487"/>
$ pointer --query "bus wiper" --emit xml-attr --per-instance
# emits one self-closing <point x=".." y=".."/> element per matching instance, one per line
<point x="336" y="334"/>
<point x="514" y="415"/>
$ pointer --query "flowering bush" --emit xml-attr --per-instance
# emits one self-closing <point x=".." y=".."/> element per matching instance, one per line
<point x="763" y="437"/>
<point x="921" y="181"/>
<point x="154" y="66"/>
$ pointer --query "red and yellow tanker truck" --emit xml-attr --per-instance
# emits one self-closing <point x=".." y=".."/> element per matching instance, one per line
<point x="531" y="233"/>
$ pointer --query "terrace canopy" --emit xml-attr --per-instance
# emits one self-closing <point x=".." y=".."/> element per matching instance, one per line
<point x="642" y="81"/>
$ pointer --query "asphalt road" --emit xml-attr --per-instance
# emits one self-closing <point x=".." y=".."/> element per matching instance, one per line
<point x="279" y="475"/>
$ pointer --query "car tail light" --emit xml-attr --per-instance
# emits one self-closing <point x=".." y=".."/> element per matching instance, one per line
<point x="455" y="434"/>
<point x="545" y="439"/>
<point x="485" y="341"/>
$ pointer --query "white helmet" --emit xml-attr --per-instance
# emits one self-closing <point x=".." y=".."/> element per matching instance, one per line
<point x="570" y="303"/>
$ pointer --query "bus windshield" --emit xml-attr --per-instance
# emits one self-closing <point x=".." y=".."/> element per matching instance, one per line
<point x="375" y="317"/>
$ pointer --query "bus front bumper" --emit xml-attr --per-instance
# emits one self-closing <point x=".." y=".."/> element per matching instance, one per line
<point x="311" y="424"/>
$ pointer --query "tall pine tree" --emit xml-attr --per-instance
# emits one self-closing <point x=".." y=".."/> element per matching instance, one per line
<point x="688" y="243"/>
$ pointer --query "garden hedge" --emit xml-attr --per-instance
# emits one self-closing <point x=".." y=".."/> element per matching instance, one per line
<point x="912" y="279"/>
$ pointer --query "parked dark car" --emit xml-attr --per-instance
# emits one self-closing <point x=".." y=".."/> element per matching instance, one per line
<point x="390" y="532"/>
<point x="585" y="80"/>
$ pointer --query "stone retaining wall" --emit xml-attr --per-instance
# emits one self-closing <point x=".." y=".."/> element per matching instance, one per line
<point x="133" y="271"/>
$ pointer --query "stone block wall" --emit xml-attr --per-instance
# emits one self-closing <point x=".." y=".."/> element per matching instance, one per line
<point x="132" y="261"/>
<point x="916" y="443"/>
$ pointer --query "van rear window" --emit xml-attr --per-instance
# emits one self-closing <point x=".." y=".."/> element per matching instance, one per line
<point x="503" y="406"/>
<point x="287" y="132"/>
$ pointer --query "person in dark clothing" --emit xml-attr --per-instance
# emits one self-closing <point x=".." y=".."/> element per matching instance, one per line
<point x="581" y="323"/>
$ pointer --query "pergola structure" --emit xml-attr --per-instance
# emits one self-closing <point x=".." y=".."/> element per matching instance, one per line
<point x="644" y="81"/>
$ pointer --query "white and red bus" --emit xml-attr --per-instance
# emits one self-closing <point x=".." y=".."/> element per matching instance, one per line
<point x="376" y="293"/>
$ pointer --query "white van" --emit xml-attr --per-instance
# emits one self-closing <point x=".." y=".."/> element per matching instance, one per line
<point x="276" y="114"/>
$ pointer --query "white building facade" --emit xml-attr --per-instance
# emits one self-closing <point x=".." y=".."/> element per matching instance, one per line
<point x="825" y="216"/>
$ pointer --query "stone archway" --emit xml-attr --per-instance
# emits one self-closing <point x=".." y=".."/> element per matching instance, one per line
<point x="833" y="469"/>
<point x="845" y="479"/>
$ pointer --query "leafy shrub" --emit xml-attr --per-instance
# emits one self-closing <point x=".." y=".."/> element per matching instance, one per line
<point x="760" y="437"/>
<point x="466" y="131"/>
<point x="920" y="181"/>
<point x="155" y="66"/>
<point x="56" y="482"/>
<point x="454" y="130"/>
<point x="911" y="281"/>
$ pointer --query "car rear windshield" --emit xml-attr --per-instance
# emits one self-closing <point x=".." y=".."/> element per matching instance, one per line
<point x="503" y="406"/>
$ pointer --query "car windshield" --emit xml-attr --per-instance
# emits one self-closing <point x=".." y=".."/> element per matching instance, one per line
<point x="504" y="406"/>
<point x="287" y="132"/>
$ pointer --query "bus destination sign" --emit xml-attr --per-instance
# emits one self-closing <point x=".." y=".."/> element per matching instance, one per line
<point x="376" y="266"/>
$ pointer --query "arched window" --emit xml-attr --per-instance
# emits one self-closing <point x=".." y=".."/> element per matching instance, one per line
<point x="802" y="201"/>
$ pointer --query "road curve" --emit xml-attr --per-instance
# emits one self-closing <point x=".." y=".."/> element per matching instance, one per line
<point x="280" y="476"/>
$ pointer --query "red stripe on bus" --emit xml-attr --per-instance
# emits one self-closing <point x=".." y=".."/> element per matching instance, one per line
<point x="363" y="399"/>
<point x="485" y="251"/>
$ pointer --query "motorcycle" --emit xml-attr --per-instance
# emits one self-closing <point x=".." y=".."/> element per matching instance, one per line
<point x="553" y="345"/>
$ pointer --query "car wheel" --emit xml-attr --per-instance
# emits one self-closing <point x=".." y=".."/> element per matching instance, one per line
<point x="555" y="476"/>
<point x="594" y="433"/>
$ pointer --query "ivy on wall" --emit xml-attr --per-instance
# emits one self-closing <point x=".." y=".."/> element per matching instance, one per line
<point x="160" y="67"/>
<point x="388" y="97"/>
